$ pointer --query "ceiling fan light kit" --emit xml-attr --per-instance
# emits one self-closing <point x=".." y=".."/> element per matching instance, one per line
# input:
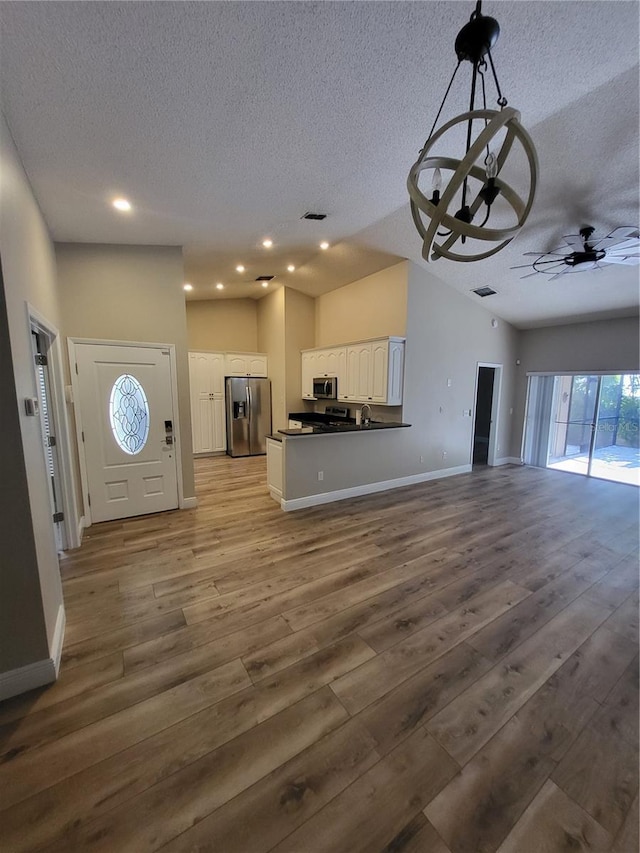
<point x="472" y="189"/>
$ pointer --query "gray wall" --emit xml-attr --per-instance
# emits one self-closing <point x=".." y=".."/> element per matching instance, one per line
<point x="30" y="588"/>
<point x="23" y="638"/>
<point x="601" y="346"/>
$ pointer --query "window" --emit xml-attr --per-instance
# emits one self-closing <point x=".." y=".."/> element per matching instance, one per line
<point x="129" y="414"/>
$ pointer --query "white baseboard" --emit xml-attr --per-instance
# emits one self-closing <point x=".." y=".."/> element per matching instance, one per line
<point x="276" y="494"/>
<point x="58" y="638"/>
<point x="27" y="677"/>
<point x="37" y="674"/>
<point x="189" y="503"/>
<point x="370" y="488"/>
<point x="82" y="523"/>
<point x="508" y="460"/>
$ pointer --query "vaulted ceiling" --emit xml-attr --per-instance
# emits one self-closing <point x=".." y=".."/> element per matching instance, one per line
<point x="224" y="123"/>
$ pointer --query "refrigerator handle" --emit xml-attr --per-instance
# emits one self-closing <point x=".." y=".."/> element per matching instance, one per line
<point x="249" y="400"/>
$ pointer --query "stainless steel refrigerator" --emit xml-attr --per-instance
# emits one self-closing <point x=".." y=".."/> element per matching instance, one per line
<point x="248" y="415"/>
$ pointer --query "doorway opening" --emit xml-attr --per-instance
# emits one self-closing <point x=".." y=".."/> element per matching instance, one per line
<point x="585" y="424"/>
<point x="41" y="345"/>
<point x="485" y="433"/>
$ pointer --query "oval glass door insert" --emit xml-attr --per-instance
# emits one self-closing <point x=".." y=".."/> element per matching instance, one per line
<point x="129" y="414"/>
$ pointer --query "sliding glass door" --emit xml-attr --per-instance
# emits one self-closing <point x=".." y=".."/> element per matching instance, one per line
<point x="585" y="424"/>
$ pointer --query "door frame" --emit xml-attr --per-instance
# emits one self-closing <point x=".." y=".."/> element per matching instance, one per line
<point x="495" y="410"/>
<point x="71" y="528"/>
<point x="72" y="343"/>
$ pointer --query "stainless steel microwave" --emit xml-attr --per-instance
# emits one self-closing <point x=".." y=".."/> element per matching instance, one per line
<point x="325" y="388"/>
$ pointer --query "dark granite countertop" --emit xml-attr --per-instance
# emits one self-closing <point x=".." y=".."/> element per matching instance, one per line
<point x="328" y="429"/>
<point x="274" y="437"/>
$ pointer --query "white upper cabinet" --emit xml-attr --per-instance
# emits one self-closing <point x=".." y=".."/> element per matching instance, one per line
<point x="322" y="362"/>
<point x="245" y="364"/>
<point x="367" y="372"/>
<point x="308" y="370"/>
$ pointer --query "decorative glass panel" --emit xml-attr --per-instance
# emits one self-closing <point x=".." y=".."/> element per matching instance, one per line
<point x="129" y="414"/>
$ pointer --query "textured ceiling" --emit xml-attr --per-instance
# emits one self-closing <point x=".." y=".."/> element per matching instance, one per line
<point x="225" y="122"/>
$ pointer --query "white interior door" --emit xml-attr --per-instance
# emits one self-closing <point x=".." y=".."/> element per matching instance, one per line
<point x="128" y="418"/>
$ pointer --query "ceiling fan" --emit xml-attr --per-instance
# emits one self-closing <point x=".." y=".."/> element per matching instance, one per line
<point x="620" y="246"/>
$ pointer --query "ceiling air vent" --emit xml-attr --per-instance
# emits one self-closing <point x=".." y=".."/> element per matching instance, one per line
<point x="314" y="216"/>
<point x="265" y="278"/>
<point x="485" y="291"/>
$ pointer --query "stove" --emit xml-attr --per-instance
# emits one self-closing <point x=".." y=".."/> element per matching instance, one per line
<point x="337" y="415"/>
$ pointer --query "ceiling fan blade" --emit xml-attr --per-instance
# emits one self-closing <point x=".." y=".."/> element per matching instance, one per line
<point x="629" y="261"/>
<point x="529" y="275"/>
<point x="618" y="235"/>
<point x="558" y="274"/>
<point x="627" y="246"/>
<point x="576" y="242"/>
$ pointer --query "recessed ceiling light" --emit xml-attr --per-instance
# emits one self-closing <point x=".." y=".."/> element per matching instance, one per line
<point x="291" y="268"/>
<point x="187" y="286"/>
<point x="265" y="284"/>
<point x="267" y="243"/>
<point x="219" y="286"/>
<point x="324" y="245"/>
<point x="239" y="268"/>
<point x="121" y="204"/>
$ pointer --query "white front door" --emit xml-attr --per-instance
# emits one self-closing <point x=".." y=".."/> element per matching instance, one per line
<point x="127" y="417"/>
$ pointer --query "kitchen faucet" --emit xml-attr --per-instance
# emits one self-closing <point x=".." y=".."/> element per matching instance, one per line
<point x="365" y="419"/>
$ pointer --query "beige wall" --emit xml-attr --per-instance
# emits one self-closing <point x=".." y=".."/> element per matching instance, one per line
<point x="447" y="335"/>
<point x="30" y="588"/>
<point x="130" y="293"/>
<point x="603" y="345"/>
<point x="299" y="316"/>
<point x="271" y="339"/>
<point x="223" y="325"/>
<point x="375" y="306"/>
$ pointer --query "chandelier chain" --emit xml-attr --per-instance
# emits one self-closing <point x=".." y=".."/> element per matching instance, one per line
<point x="446" y="94"/>
<point x="502" y="101"/>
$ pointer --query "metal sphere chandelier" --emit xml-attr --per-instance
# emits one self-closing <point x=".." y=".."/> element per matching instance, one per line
<point x="476" y="188"/>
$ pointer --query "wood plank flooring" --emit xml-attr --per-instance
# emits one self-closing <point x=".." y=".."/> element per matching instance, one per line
<point x="446" y="668"/>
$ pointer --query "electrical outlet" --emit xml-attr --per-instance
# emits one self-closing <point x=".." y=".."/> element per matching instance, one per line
<point x="444" y="454"/>
<point x="320" y="475"/>
<point x="422" y="458"/>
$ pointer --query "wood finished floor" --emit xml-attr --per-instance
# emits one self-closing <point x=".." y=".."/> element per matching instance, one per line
<point x="446" y="668"/>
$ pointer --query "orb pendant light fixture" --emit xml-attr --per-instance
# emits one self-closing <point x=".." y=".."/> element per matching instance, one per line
<point x="468" y="199"/>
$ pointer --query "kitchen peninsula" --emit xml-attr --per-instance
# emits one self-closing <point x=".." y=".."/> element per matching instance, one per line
<point x="322" y="462"/>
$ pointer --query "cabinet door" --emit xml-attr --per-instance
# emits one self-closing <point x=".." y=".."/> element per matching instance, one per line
<point x="200" y="394"/>
<point x="275" y="479"/>
<point x="308" y="367"/>
<point x="236" y="365"/>
<point x="216" y="373"/>
<point x="200" y="374"/>
<point x="337" y="366"/>
<point x="379" y="371"/>
<point x="321" y="363"/>
<point x="218" y="425"/>
<point x="257" y="365"/>
<point x="351" y="379"/>
<point x="202" y="425"/>
<point x="364" y="372"/>
<point x="396" y="373"/>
